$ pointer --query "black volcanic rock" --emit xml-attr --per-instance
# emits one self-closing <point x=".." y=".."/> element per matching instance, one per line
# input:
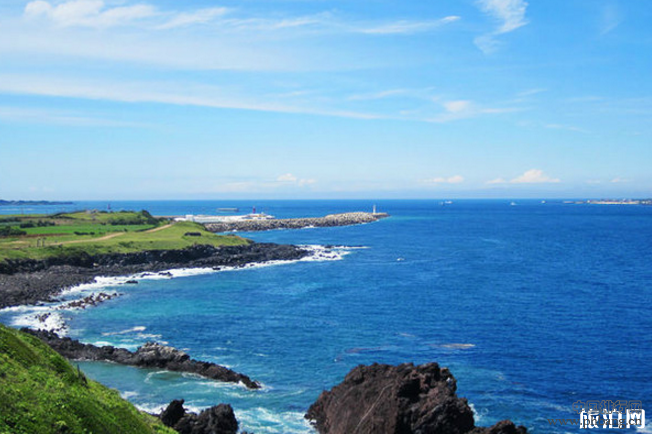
<point x="150" y="355"/>
<point x="173" y="413"/>
<point x="404" y="399"/>
<point x="219" y="419"/>
<point x="28" y="281"/>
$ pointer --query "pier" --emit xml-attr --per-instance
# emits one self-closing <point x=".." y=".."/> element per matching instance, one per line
<point x="345" y="219"/>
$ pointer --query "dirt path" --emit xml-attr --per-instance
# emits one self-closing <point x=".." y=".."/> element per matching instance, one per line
<point x="160" y="228"/>
<point x="91" y="240"/>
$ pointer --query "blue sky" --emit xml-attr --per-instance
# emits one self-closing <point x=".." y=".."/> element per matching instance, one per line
<point x="138" y="99"/>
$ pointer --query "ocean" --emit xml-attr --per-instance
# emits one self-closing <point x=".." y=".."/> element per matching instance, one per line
<point x="533" y="306"/>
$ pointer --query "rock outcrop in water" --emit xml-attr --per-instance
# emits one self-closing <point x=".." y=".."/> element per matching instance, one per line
<point x="150" y="355"/>
<point x="346" y="219"/>
<point x="404" y="399"/>
<point x="30" y="281"/>
<point x="219" y="419"/>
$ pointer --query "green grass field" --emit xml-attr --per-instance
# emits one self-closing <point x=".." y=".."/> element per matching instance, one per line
<point x="95" y="233"/>
<point x="41" y="392"/>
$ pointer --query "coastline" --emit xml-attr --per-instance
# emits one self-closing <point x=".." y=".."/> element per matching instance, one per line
<point x="47" y="293"/>
<point x="28" y="282"/>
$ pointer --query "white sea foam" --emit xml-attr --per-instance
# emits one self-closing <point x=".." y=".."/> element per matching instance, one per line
<point x="102" y="343"/>
<point x="124" y="332"/>
<point x="151" y="408"/>
<point x="36" y="316"/>
<point x="263" y="420"/>
<point x="128" y="394"/>
<point x="478" y="415"/>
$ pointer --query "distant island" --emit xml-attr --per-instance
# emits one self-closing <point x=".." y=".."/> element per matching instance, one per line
<point x="31" y="202"/>
<point x="611" y="202"/>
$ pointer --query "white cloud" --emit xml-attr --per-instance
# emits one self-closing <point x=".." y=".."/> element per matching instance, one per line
<point x="156" y="92"/>
<point x="619" y="180"/>
<point x="88" y="13"/>
<point x="95" y="13"/>
<point x="534" y="176"/>
<point x="303" y="182"/>
<point x="509" y="13"/>
<point x="464" y="109"/>
<point x="288" y="177"/>
<point x="456" y="179"/>
<point x="457" y="106"/>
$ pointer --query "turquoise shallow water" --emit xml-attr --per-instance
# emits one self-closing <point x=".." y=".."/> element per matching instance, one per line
<point x="533" y="307"/>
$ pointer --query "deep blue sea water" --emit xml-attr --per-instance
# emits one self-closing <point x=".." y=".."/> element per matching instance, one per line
<point x="533" y="307"/>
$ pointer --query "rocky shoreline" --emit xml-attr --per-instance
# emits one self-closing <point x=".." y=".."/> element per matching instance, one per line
<point x="345" y="219"/>
<point x="32" y="281"/>
<point x="150" y="355"/>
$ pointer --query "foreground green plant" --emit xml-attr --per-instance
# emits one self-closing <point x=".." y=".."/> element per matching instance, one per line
<point x="41" y="392"/>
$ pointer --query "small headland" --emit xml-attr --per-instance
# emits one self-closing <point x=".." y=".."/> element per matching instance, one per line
<point x="40" y="254"/>
<point x="265" y="224"/>
<point x="150" y="355"/>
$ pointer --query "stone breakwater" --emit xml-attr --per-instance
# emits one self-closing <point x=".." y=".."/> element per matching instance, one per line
<point x="345" y="219"/>
<point x="150" y="355"/>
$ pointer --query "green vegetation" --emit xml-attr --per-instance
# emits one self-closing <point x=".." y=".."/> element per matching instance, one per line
<point x="83" y="232"/>
<point x="40" y="392"/>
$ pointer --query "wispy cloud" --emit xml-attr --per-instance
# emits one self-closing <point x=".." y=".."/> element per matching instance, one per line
<point x="456" y="179"/>
<point x="619" y="180"/>
<point x="464" y="109"/>
<point x="611" y="17"/>
<point x="163" y="92"/>
<point x="530" y="92"/>
<point x="532" y="176"/>
<point x="195" y="17"/>
<point x="406" y="27"/>
<point x="96" y="13"/>
<point x="510" y="15"/>
<point x="566" y="128"/>
<point x="59" y="117"/>
<point x="88" y="13"/>
<point x="422" y="93"/>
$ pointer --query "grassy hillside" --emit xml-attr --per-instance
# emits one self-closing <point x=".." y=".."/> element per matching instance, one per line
<point x="40" y="392"/>
<point x="41" y="236"/>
